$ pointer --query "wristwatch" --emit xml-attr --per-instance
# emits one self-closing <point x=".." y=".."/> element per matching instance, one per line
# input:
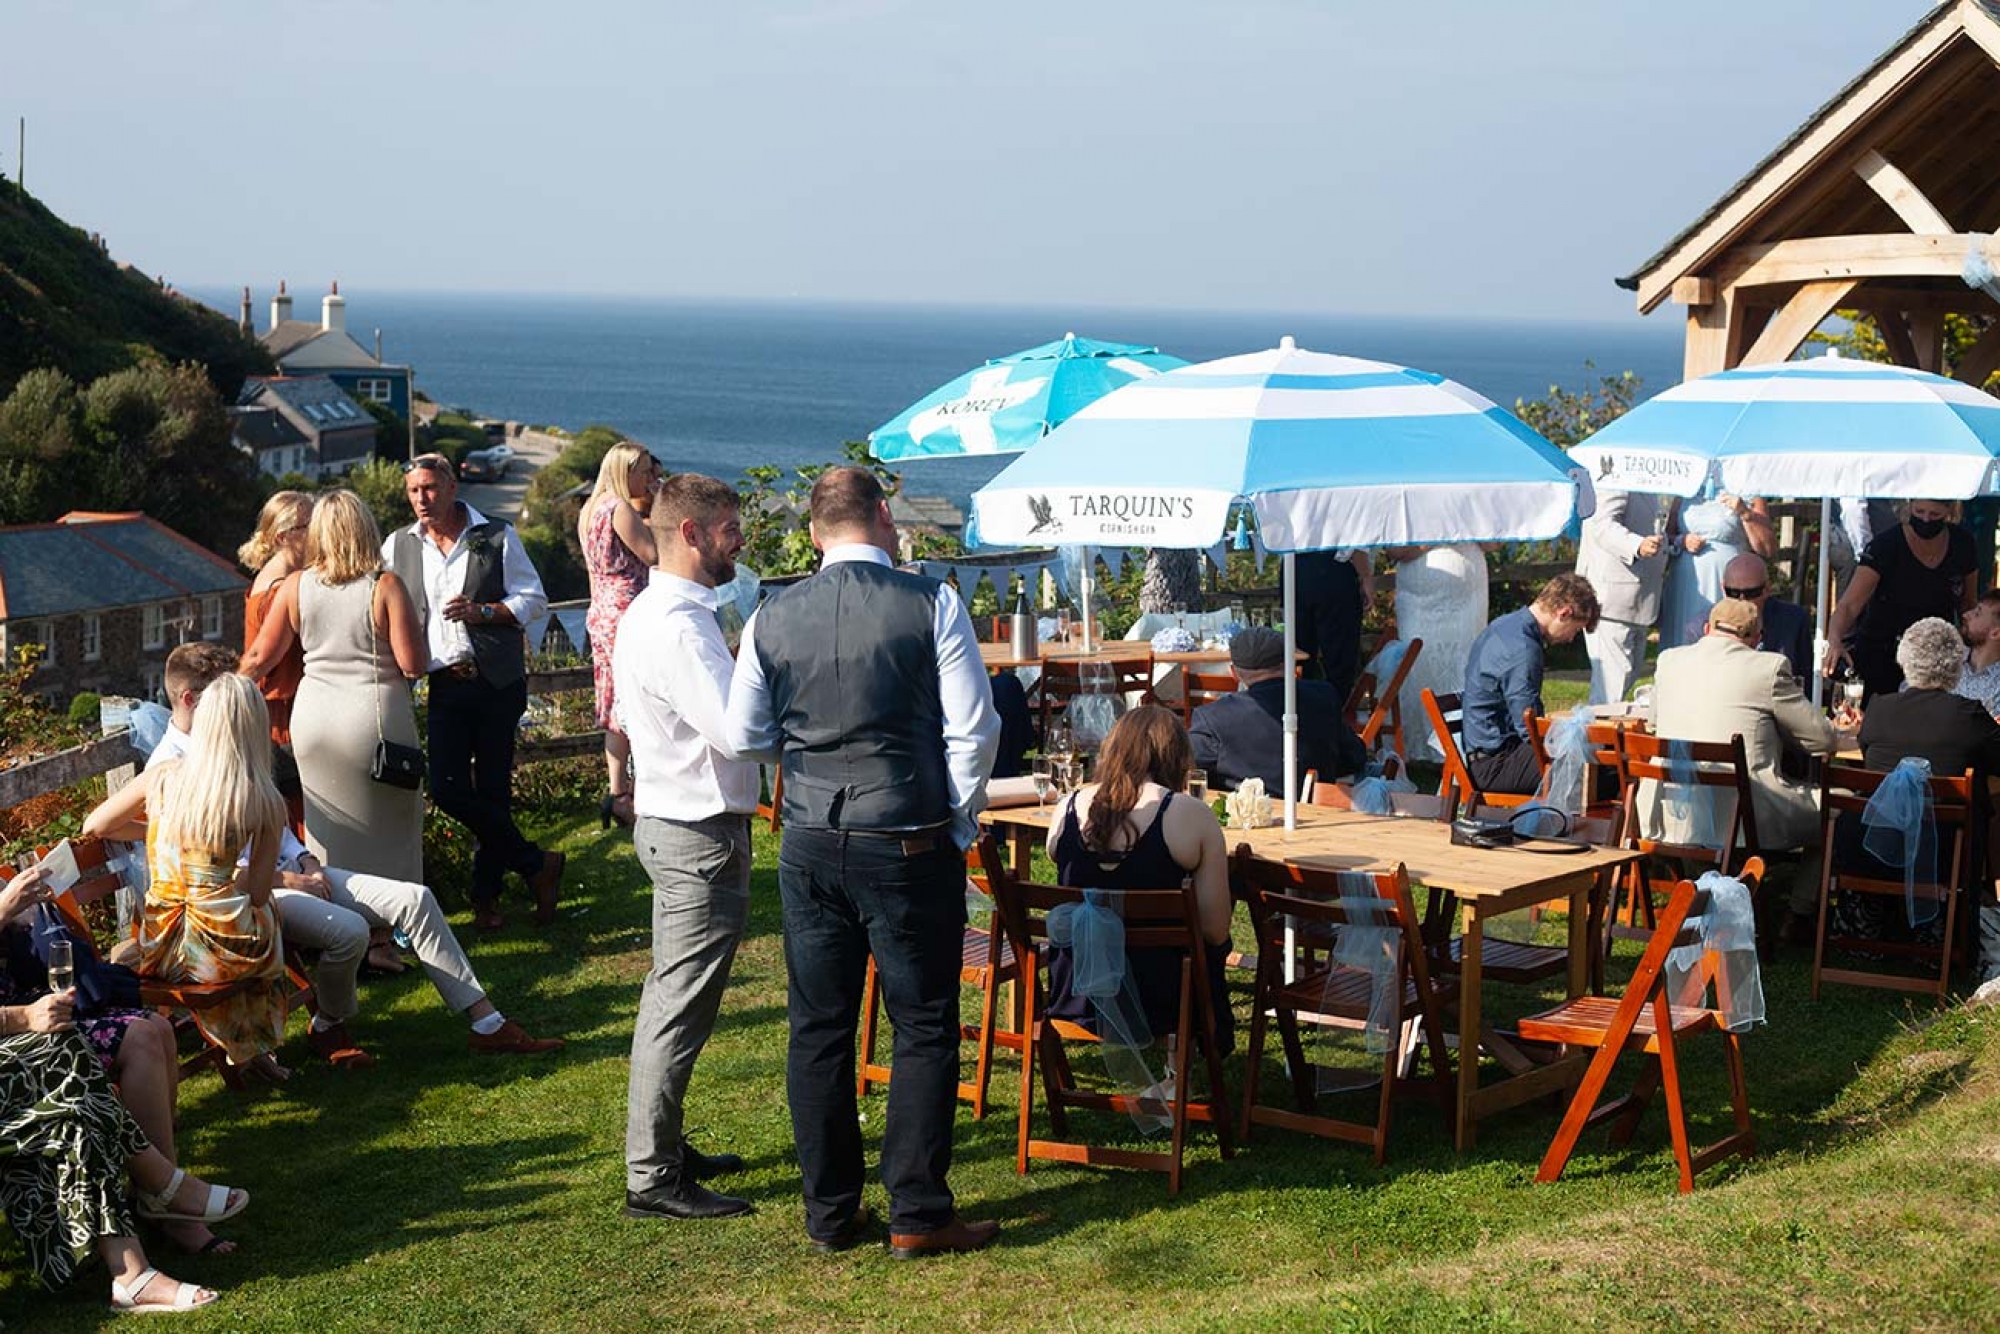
<point x="485" y="611"/>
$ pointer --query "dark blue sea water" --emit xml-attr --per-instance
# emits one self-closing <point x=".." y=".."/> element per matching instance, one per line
<point x="716" y="388"/>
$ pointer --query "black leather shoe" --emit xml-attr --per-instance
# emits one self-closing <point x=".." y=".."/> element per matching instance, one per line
<point x="707" y="1166"/>
<point x="687" y="1201"/>
<point x="847" y="1235"/>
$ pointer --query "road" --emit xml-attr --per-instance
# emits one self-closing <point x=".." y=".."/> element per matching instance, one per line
<point x="502" y="499"/>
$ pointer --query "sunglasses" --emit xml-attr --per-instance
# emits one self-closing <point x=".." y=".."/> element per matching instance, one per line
<point x="428" y="462"/>
<point x="1747" y="594"/>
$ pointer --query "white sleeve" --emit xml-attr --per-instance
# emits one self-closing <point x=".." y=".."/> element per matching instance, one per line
<point x="525" y="597"/>
<point x="971" y="724"/>
<point x="750" y="732"/>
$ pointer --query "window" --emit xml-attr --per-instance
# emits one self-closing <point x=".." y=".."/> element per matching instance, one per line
<point x="312" y="411"/>
<point x="45" y="635"/>
<point x="211" y="617"/>
<point x="375" y="389"/>
<point x="156" y="684"/>
<point x="153" y="626"/>
<point x="93" y="638"/>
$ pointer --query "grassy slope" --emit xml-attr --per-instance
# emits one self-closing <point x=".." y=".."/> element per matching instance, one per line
<point x="443" y="1193"/>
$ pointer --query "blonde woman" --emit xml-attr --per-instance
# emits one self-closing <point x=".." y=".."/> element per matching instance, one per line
<point x="618" y="550"/>
<point x="362" y="645"/>
<point x="209" y="918"/>
<point x="275" y="551"/>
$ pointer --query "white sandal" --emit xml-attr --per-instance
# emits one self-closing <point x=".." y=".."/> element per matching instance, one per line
<point x="223" y="1202"/>
<point x="187" y="1296"/>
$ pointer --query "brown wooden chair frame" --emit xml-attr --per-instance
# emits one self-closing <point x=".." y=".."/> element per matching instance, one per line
<point x="1062" y="680"/>
<point x="1388" y="710"/>
<point x="1154" y="918"/>
<point x="1275" y="893"/>
<point x="1643" y="756"/>
<point x="1603" y="738"/>
<point x="1844" y="791"/>
<point x="1643" y="1020"/>
<point x="986" y="961"/>
<point x="1199" y="688"/>
<point x="1447" y="718"/>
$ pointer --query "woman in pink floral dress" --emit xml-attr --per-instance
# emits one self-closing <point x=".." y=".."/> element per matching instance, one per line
<point x="618" y="550"/>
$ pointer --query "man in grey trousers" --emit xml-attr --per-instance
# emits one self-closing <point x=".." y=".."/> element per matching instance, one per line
<point x="671" y="672"/>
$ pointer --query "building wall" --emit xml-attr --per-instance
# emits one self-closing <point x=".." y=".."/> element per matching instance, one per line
<point x="125" y="665"/>
<point x="351" y="381"/>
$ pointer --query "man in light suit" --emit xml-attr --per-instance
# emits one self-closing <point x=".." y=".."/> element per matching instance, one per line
<point x="1624" y="557"/>
<point x="1722" y="686"/>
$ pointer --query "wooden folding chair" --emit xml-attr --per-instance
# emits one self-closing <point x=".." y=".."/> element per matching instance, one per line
<point x="1283" y="899"/>
<point x="1844" y="793"/>
<point x="1062" y="680"/>
<point x="1154" y="919"/>
<point x="1644" y="1020"/>
<point x="1387" y="710"/>
<point x="1603" y="738"/>
<point x="1199" y="688"/>
<point x="98" y="881"/>
<point x="986" y="960"/>
<point x="1447" y="715"/>
<point x="773" y="811"/>
<point x="1722" y="773"/>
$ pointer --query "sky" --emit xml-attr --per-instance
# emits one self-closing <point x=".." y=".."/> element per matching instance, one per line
<point x="1453" y="158"/>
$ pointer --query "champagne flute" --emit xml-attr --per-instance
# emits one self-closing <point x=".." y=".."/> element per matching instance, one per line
<point x="1180" y="614"/>
<point x="1043" y="780"/>
<point x="1062" y="746"/>
<point x="62" y="966"/>
<point x="1197" y="785"/>
<point x="1062" y="624"/>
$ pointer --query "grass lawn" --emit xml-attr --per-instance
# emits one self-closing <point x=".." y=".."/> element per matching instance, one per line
<point x="443" y="1192"/>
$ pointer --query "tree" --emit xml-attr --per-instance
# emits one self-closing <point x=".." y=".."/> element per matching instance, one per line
<point x="379" y="483"/>
<point x="1862" y="340"/>
<point x="1566" y="417"/>
<point x="1173" y="579"/>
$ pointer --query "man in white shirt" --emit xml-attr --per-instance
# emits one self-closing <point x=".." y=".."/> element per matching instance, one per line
<point x="1979" y="679"/>
<point x="867" y="683"/>
<point x="692" y="801"/>
<point x="325" y="909"/>
<point x="475" y="589"/>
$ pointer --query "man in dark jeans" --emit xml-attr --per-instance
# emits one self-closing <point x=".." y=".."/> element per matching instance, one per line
<point x="866" y="682"/>
<point x="1503" y="682"/>
<point x="1332" y="596"/>
<point x="475" y="589"/>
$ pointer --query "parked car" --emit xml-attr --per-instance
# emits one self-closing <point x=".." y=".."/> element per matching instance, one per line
<point x="486" y="465"/>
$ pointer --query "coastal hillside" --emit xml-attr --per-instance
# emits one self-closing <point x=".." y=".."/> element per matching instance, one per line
<point x="66" y="303"/>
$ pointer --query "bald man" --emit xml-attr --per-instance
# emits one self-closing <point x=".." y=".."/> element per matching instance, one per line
<point x="1787" y="625"/>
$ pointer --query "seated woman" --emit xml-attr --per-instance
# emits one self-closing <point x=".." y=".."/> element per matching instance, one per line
<point x="206" y="918"/>
<point x="1133" y="829"/>
<point x="66" y="1146"/>
<point x="135" y="1047"/>
<point x="1925" y="719"/>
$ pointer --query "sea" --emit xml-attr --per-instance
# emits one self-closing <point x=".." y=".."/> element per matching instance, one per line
<point x="717" y="387"/>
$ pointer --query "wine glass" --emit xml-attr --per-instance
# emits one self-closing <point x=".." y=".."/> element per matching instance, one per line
<point x="1061" y="745"/>
<point x="1062" y="624"/>
<point x="1197" y="785"/>
<point x="1044" y="779"/>
<point x="1180" y="610"/>
<point x="62" y="966"/>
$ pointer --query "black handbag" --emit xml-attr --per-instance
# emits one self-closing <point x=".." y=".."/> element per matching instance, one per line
<point x="394" y="763"/>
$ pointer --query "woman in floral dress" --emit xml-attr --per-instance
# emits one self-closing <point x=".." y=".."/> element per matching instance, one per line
<point x="618" y="549"/>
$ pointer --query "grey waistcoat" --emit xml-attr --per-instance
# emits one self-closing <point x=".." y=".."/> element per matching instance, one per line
<point x="499" y="650"/>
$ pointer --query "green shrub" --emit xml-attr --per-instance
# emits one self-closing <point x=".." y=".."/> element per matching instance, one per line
<point x="83" y="710"/>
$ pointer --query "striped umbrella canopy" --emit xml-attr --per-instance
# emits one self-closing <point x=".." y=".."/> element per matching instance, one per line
<point x="1329" y="451"/>
<point x="1826" y="426"/>
<point x="1011" y="402"/>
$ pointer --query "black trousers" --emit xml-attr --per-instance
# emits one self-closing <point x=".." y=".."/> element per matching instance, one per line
<point x="847" y="896"/>
<point x="472" y="730"/>
<point x="1513" y="770"/>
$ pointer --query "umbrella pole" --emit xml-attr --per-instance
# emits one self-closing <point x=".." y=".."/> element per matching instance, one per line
<point x="1089" y="568"/>
<point x="1822" y="602"/>
<point x="1291" y="697"/>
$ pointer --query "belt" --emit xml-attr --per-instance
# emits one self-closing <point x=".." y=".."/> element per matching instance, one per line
<point x="914" y="845"/>
<point x="459" y="671"/>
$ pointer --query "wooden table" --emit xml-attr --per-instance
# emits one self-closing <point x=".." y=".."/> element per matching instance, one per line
<point x="1000" y="656"/>
<point x="1488" y="881"/>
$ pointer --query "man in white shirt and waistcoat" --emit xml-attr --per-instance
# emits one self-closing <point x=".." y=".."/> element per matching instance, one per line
<point x="692" y="802"/>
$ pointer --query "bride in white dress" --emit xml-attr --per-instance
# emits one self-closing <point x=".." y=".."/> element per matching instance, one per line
<point x="1440" y="599"/>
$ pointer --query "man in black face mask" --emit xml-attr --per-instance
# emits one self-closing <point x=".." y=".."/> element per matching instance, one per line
<point x="1922" y="567"/>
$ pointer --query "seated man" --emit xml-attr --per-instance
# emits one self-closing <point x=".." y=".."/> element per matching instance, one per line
<point x="324" y="908"/>
<point x="1928" y="719"/>
<point x="1787" y="625"/>
<point x="1722" y="686"/>
<point x="1243" y="735"/>
<point x="1979" y="677"/>
<point x="1503" y="682"/>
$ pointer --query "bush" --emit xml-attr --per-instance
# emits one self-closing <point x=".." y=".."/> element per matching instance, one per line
<point x="83" y="710"/>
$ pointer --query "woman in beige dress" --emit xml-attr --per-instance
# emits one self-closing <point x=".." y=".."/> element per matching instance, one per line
<point x="362" y="647"/>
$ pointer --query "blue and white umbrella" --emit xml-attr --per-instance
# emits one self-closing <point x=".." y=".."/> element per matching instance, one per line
<point x="1329" y="451"/>
<point x="1828" y="426"/>
<point x="1823" y="427"/>
<point x="1011" y="402"/>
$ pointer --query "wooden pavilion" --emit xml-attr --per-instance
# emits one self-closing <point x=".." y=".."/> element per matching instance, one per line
<point x="1884" y="201"/>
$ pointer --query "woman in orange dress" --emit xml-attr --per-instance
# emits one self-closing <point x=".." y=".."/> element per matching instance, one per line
<point x="275" y="550"/>
<point x="213" y="824"/>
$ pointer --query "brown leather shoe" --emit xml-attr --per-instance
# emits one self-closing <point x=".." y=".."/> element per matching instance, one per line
<point x="847" y="1235"/>
<point x="547" y="883"/>
<point x="486" y="917"/>
<point x="510" y="1039"/>
<point x="337" y="1048"/>
<point x="957" y="1235"/>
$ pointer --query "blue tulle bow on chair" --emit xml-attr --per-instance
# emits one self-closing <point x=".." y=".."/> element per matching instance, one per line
<point x="1729" y="930"/>
<point x="1370" y="941"/>
<point x="1569" y="760"/>
<point x="1094" y="934"/>
<point x="1900" y="829"/>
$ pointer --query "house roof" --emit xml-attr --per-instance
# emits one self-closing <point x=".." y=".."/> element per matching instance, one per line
<point x="1957" y="42"/>
<point x="90" y="562"/>
<point x="264" y="428"/>
<point x="301" y="346"/>
<point x="314" y="403"/>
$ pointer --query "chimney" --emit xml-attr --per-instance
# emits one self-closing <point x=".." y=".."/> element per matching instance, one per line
<point x="244" y="320"/>
<point x="378" y="343"/>
<point x="333" y="309"/>
<point x="281" y="306"/>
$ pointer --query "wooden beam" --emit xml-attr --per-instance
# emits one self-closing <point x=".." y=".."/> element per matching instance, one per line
<point x="1981" y="28"/>
<point x="1877" y="255"/>
<point x="1927" y="332"/>
<point x="1901" y="193"/>
<point x="1976" y="367"/>
<point x="1801" y="315"/>
<point x="1895" y="331"/>
<point x="1709" y="330"/>
<point x="1952" y="298"/>
<point x="1694" y="291"/>
<point x="1821" y="139"/>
